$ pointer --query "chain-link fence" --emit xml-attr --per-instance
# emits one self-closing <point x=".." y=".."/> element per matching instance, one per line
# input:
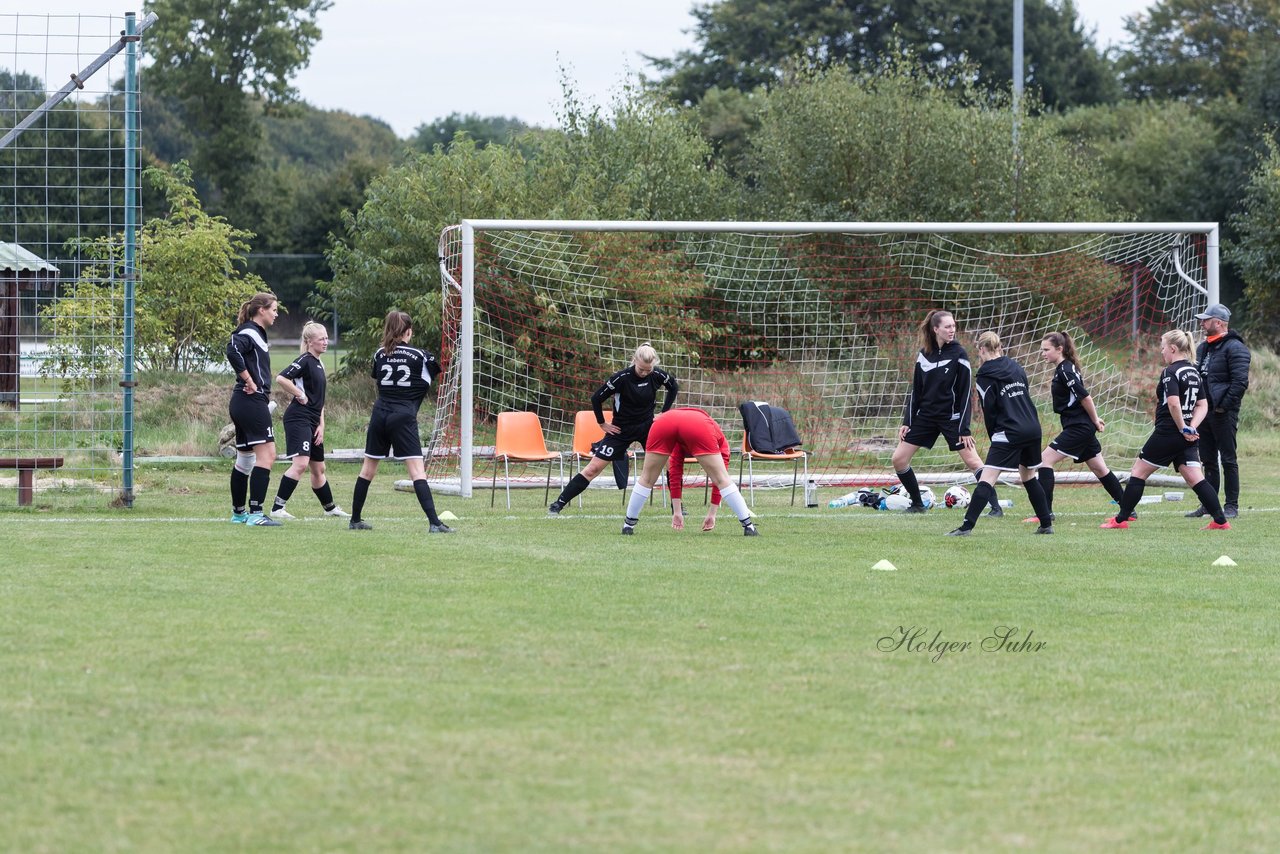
<point x="68" y="219"/>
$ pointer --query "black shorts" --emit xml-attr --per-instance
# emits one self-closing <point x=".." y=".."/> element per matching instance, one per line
<point x="252" y="418"/>
<point x="1007" y="456"/>
<point x="393" y="434"/>
<point x="1164" y="449"/>
<point x="613" y="447"/>
<point x="925" y="433"/>
<point x="1079" y="442"/>
<point x="299" y="440"/>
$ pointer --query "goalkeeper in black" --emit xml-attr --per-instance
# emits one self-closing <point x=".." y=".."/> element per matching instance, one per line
<point x="1014" y="426"/>
<point x="940" y="404"/>
<point x="634" y="391"/>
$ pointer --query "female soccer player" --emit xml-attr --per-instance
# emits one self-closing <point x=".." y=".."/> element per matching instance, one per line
<point x="675" y="485"/>
<point x="634" y="391"/>
<point x="248" y="353"/>
<point x="1081" y="424"/>
<point x="695" y="432"/>
<point x="404" y="375"/>
<point x="1180" y="407"/>
<point x="1014" y="427"/>
<point x="304" y="381"/>
<point x="939" y="404"/>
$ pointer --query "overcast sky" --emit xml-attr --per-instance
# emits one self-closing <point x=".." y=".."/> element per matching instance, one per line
<point x="410" y="62"/>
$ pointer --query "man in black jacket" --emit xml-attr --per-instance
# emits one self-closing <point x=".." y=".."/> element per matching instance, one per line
<point x="1223" y="360"/>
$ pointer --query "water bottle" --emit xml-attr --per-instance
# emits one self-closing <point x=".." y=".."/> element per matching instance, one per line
<point x="810" y="494"/>
<point x="1006" y="503"/>
<point x="842" y="501"/>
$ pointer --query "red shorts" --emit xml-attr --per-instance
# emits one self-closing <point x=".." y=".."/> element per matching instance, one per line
<point x="691" y="431"/>
<point x="675" y="470"/>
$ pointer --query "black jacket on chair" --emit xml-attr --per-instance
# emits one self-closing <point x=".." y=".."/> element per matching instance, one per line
<point x="770" y="429"/>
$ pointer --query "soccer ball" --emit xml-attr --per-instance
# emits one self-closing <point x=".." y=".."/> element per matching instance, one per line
<point x="956" y="496"/>
<point x="927" y="497"/>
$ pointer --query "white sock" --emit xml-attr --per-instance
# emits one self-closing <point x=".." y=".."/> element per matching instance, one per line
<point x="732" y="497"/>
<point x="639" y="495"/>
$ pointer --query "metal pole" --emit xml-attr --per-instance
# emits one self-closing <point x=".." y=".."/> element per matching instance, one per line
<point x="1018" y="75"/>
<point x="466" y="352"/>
<point x="130" y="241"/>
<point x="1211" y="266"/>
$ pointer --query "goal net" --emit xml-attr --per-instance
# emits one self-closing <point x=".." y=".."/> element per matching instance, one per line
<point x="821" y="319"/>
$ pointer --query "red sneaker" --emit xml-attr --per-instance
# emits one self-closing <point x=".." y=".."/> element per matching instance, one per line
<point x="1035" y="519"/>
<point x="1214" y="526"/>
<point x="1112" y="523"/>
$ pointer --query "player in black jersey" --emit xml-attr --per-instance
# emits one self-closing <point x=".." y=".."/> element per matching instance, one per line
<point x="939" y="405"/>
<point x="249" y="355"/>
<point x="1081" y="423"/>
<point x="1180" y="407"/>
<point x="1014" y="427"/>
<point x="305" y="382"/>
<point x="404" y="375"/>
<point x="634" y="392"/>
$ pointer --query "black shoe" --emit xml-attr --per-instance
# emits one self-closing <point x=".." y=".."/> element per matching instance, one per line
<point x="1231" y="511"/>
<point x="996" y="511"/>
<point x="750" y="531"/>
<point x="362" y="525"/>
<point x="555" y="508"/>
<point x="916" y="508"/>
<point x="628" y="530"/>
<point x="960" y="532"/>
<point x="1197" y="513"/>
<point x="442" y="528"/>
<point x="1044" y="529"/>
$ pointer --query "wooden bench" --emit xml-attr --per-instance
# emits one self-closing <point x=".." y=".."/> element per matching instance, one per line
<point x="26" y="468"/>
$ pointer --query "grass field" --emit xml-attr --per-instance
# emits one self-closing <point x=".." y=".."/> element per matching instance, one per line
<point x="171" y="682"/>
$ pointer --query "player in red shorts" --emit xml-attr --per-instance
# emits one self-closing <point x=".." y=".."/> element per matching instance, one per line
<point x="675" y="485"/>
<point x="693" y="432"/>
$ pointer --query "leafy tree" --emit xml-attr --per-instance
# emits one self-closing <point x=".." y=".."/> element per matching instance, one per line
<point x="745" y="44"/>
<point x="65" y="163"/>
<point x="213" y="55"/>
<point x="645" y="161"/>
<point x="191" y="284"/>
<point x="898" y="146"/>
<point x="1197" y="49"/>
<point x="1155" y="157"/>
<point x="483" y="129"/>
<point x="1257" y="251"/>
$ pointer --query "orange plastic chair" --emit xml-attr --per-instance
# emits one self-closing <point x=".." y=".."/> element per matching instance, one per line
<point x="795" y="456"/>
<point x="586" y="432"/>
<point x="520" y="438"/>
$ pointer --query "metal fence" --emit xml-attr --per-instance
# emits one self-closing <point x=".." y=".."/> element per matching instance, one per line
<point x="69" y="211"/>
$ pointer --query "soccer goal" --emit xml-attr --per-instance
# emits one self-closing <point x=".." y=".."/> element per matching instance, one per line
<point x="820" y="318"/>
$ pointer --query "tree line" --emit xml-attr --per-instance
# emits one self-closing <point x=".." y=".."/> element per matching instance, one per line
<point x="783" y="109"/>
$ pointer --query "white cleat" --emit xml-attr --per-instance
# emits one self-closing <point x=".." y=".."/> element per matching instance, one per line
<point x="338" y="512"/>
<point x="282" y="514"/>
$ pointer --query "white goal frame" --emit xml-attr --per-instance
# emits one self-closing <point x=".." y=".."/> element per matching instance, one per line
<point x="469" y="227"/>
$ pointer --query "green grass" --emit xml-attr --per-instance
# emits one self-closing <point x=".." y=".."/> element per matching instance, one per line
<point x="169" y="681"/>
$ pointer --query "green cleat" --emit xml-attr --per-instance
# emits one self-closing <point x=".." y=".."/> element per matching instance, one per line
<point x="258" y="520"/>
<point x="239" y="518"/>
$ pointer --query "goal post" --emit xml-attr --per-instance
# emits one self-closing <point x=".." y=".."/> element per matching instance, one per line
<point x="820" y="318"/>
